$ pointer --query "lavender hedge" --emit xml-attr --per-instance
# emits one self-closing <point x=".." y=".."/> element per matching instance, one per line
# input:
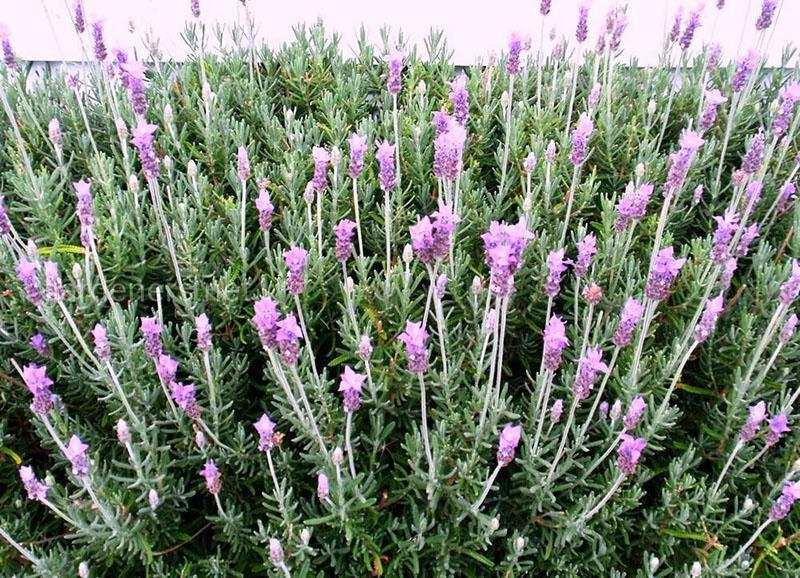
<point x="289" y="312"/>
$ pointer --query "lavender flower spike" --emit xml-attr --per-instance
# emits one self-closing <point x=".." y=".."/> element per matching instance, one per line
<point x="143" y="140"/>
<point x="767" y="12"/>
<point x="744" y="69"/>
<point x="385" y="157"/>
<point x="582" y="29"/>
<point x="415" y="337"/>
<point x="78" y="18"/>
<point x="54" y="289"/>
<point x="634" y="414"/>
<point x="100" y="52"/>
<point x="691" y="26"/>
<point x="707" y="323"/>
<point x="212" y="476"/>
<point x="264" y="207"/>
<point x="459" y="97"/>
<point x="85" y="211"/>
<point x="358" y="146"/>
<point x="321" y="160"/>
<point x="8" y="51"/>
<point x="587" y="247"/>
<point x="152" y="335"/>
<point x="350" y="385"/>
<point x="665" y="270"/>
<point x="35" y="489"/>
<point x="756" y="416"/>
<point x="629" y="452"/>
<point x="102" y="347"/>
<point x="28" y="273"/>
<point x="555" y="341"/>
<point x="266" y="433"/>
<point x="789" y="290"/>
<point x="589" y="366"/>
<point x="580" y="138"/>
<point x="394" y="61"/>
<point x="783" y="505"/>
<point x="516" y="44"/>
<point x="556" y="265"/>
<point x="76" y="453"/>
<point x="242" y="163"/>
<point x="789" y="328"/>
<point x="507" y="446"/>
<point x="37" y="382"/>
<point x="295" y="260"/>
<point x="778" y="425"/>
<point x="629" y="319"/>
<point x="713" y="99"/>
<point x="203" y="328"/>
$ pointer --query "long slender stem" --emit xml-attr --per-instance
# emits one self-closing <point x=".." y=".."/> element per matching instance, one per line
<point x="348" y="444"/>
<point x="424" y="411"/>
<point x="19" y="548"/>
<point x="212" y="394"/>
<point x="311" y="419"/>
<point x="319" y="224"/>
<point x="307" y="341"/>
<point x="487" y="486"/>
<point x="358" y="218"/>
<point x="396" y="122"/>
<point x="598" y="396"/>
<point x="243" y="221"/>
<point x="747" y="544"/>
<point x="564" y="436"/>
<point x="739" y="445"/>
<point x="542" y="403"/>
<point x="284" y="383"/>
<point x="611" y="491"/>
<point x="276" y="485"/>
<point x="504" y="168"/>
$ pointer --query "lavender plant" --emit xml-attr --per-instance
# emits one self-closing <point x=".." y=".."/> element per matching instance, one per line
<point x="558" y="297"/>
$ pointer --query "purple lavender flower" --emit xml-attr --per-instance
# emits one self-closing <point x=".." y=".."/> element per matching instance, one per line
<point x="54" y="289"/>
<point x="789" y="95"/>
<point x="350" y="385"/>
<point x="550" y="152"/>
<point x="767" y="12"/>
<point x="675" y="32"/>
<point x="634" y="414"/>
<point x="265" y="209"/>
<point x="295" y="260"/>
<point x="589" y="366"/>
<point x="441" y="286"/>
<point x="691" y="27"/>
<point x="414" y="337"/>
<point x="749" y="234"/>
<point x="507" y="445"/>
<point x="85" y="211"/>
<point x="212" y="476"/>
<point x="714" y="54"/>
<point x="242" y="163"/>
<point x="697" y="196"/>
<point x="629" y="453"/>
<point x="77" y="455"/>
<point x="556" y="411"/>
<point x="100" y="52"/>
<point x="744" y="69"/>
<point x="152" y="336"/>
<point x="517" y="42"/>
<point x="789" y="290"/>
<point x="133" y="77"/>
<point x="78" y="19"/>
<point x="580" y="139"/>
<point x="778" y="425"/>
<point x="713" y="99"/>
<point x="690" y="142"/>
<point x="756" y="416"/>
<point x="184" y="396"/>
<point x="266" y="433"/>
<point x="5" y="222"/>
<point x="35" y="489"/>
<point x="529" y="163"/>
<point x="632" y="206"/>
<point x="266" y="321"/>
<point x="364" y="348"/>
<point x="8" y="51"/>
<point x="167" y="369"/>
<point x="556" y="265"/>
<point x="143" y="141"/>
<point x="37" y="382"/>
<point x="195" y="7"/>
<point x="629" y="319"/>
<point x="459" y="97"/>
<point x="386" y="171"/>
<point x="288" y="336"/>
<point x="444" y="222"/>
<point x="788" y="328"/>
<point x="441" y="122"/>
<point x="321" y="160"/>
<point x="615" y="411"/>
<point x="358" y="146"/>
<point x="582" y="29"/>
<point x="28" y="273"/>
<point x="785" y="197"/>
<point x="620" y="23"/>
<point x="754" y="156"/>
<point x="783" y="505"/>
<point x="503" y="247"/>
<point x="344" y="239"/>
<point x="102" y="347"/>
<point x="705" y="327"/>
<point x="448" y="150"/>
<point x="555" y="341"/>
<point x="39" y="344"/>
<point x="587" y="247"/>
<point x="422" y="240"/>
<point x="54" y="134"/>
<point x="123" y="432"/>
<point x="393" y="79"/>
<point x="594" y="95"/>
<point x="665" y="270"/>
<point x="727" y="225"/>
<point x="544" y="7"/>
<point x="727" y="273"/>
<point x="203" y="327"/>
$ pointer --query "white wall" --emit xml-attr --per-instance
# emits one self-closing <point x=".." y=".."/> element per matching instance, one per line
<point x="42" y="29"/>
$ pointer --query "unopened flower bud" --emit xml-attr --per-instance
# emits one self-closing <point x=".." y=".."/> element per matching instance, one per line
<point x="491" y="320"/>
<point x="519" y="544"/>
<point x="494" y="524"/>
<point x="207" y="94"/>
<point x="696" y="570"/>
<point x="422" y="88"/>
<point x="477" y="285"/>
<point x="168" y="116"/>
<point x="364" y="348"/>
<point x="305" y="536"/>
<point x="167" y="162"/>
<point x="122" y="129"/>
<point x="153" y="498"/>
<point x="615" y="412"/>
<point x="651" y="107"/>
<point x="408" y="254"/>
<point x="640" y="170"/>
<point x="504" y="100"/>
<point x="654" y="564"/>
<point x="275" y="551"/>
<point x="123" y="433"/>
<point x="200" y="439"/>
<point x="336" y="156"/>
<point x="527" y="204"/>
<point x="77" y="272"/>
<point x="748" y="505"/>
<point x="191" y="169"/>
<point x="83" y="570"/>
<point x="288" y="115"/>
<point x="338" y="456"/>
<point x="349" y="284"/>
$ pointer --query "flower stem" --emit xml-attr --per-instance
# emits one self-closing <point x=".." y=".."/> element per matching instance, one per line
<point x="425" y="438"/>
<point x="311" y="419"/>
<point x="739" y="445"/>
<point x="348" y="444"/>
<point x="611" y="491"/>
<point x="504" y="168"/>
<point x="747" y="544"/>
<point x="358" y="218"/>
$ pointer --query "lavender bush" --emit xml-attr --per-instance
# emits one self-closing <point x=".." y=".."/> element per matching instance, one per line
<point x="289" y="313"/>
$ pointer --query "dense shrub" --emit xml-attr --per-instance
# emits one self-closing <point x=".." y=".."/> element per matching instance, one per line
<point x="558" y="341"/>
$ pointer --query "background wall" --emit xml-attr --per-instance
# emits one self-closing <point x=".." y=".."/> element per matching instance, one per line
<point x="42" y="29"/>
